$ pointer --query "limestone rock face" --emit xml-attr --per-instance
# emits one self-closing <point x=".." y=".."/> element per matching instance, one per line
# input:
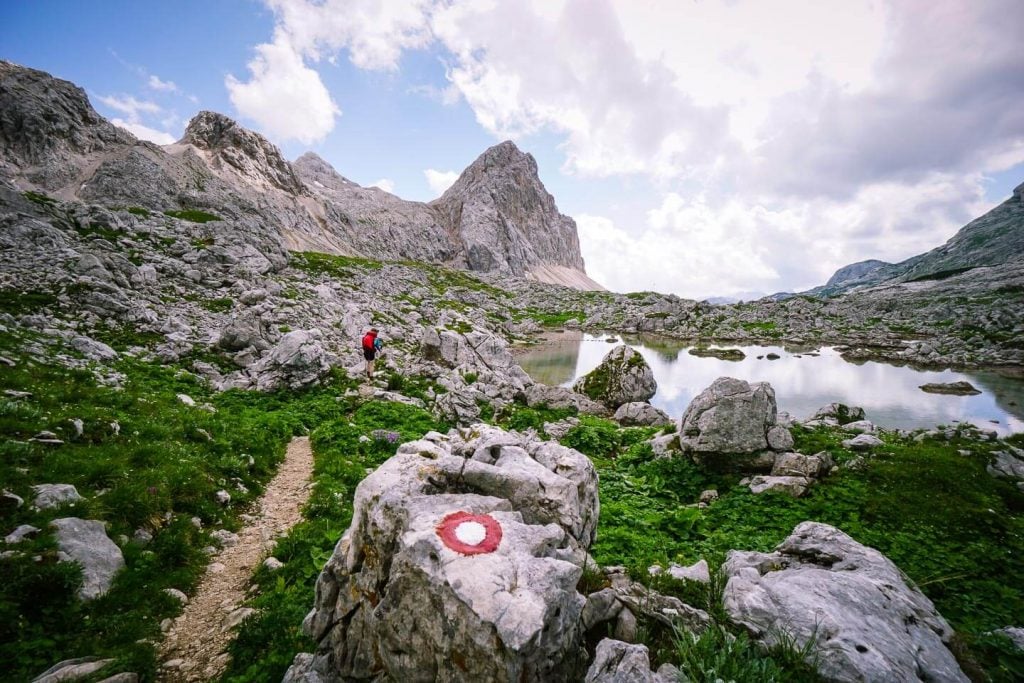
<point x="231" y="149"/>
<point x="622" y="377"/>
<point x="869" y="624"/>
<point x="85" y="541"/>
<point x="460" y="564"/>
<point x="619" y="662"/>
<point x="730" y="421"/>
<point x="47" y="125"/>
<point x="505" y="220"/>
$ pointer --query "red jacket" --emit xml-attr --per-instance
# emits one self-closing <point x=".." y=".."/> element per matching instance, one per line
<point x="368" y="340"/>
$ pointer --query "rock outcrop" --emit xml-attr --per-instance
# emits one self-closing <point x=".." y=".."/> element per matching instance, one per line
<point x="866" y="623"/>
<point x="461" y="563"/>
<point x="622" y="377"/>
<point x="732" y="424"/>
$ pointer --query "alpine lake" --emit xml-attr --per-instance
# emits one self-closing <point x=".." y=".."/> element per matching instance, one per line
<point x="804" y="379"/>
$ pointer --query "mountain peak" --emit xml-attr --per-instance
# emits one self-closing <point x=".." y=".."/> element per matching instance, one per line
<point x="238" y="151"/>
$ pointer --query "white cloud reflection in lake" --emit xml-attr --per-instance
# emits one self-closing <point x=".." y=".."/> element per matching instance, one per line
<point x="889" y="394"/>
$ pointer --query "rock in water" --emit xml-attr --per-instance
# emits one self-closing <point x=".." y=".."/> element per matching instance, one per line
<point x="461" y="563"/>
<point x="85" y="541"/>
<point x="730" y="422"/>
<point x="622" y="377"/>
<point x="952" y="388"/>
<point x="867" y="623"/>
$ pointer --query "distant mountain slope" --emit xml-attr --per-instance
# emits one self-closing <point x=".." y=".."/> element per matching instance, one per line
<point x="993" y="239"/>
<point x="498" y="217"/>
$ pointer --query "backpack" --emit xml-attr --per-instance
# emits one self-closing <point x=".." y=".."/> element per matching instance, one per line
<point x="369" y="340"/>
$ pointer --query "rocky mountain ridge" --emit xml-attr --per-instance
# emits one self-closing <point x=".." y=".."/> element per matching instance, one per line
<point x="993" y="239"/>
<point x="498" y="217"/>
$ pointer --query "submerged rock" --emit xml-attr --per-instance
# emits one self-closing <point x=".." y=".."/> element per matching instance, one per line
<point x="952" y="388"/>
<point x="622" y="377"/>
<point x="461" y="563"/>
<point x="721" y="354"/>
<point x="866" y="622"/>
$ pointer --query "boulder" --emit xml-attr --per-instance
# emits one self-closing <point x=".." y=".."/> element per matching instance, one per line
<point x="867" y="622"/>
<point x="800" y="465"/>
<point x="1008" y="464"/>
<point x="561" y="397"/>
<point x="72" y="670"/>
<point x="54" y="495"/>
<point x="622" y="377"/>
<point x="729" y="423"/>
<point x="838" y="413"/>
<point x="640" y="414"/>
<point x="793" y="486"/>
<point x="698" y="571"/>
<point x="85" y="541"/>
<point x="862" y="442"/>
<point x="298" y="360"/>
<point x="242" y="332"/>
<point x="461" y="563"/>
<point x="619" y="662"/>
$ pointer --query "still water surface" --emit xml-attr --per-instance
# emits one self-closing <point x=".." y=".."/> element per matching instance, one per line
<point x="803" y="383"/>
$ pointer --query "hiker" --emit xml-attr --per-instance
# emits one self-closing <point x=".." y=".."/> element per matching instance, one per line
<point x="371" y="346"/>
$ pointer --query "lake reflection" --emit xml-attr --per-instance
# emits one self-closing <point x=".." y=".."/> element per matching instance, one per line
<point x="803" y="383"/>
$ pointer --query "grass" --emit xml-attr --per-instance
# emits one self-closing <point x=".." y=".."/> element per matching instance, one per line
<point x="193" y="215"/>
<point x="144" y="460"/>
<point x="331" y="265"/>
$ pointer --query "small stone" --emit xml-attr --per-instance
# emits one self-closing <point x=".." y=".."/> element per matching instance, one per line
<point x="172" y="664"/>
<point x="236" y="617"/>
<point x="862" y="442"/>
<point x="79" y="427"/>
<point x="216" y="567"/>
<point x="177" y="595"/>
<point x="187" y="400"/>
<point x="223" y="497"/>
<point x="698" y="571"/>
<point x="273" y="564"/>
<point x="709" y="496"/>
<point x="225" y="538"/>
<point x="20" y="534"/>
<point x="142" y="536"/>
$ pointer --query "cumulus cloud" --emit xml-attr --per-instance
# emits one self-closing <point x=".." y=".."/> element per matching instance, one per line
<point x="159" y="85"/>
<point x="386" y="184"/>
<point x="375" y="32"/>
<point x="439" y="181"/>
<point x="144" y="132"/>
<point x="286" y="98"/>
<point x="700" y="247"/>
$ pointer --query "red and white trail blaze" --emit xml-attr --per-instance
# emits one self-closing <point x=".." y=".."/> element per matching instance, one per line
<point x="470" y="534"/>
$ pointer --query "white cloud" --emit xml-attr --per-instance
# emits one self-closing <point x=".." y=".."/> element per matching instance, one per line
<point x="162" y="86"/>
<point x="439" y="181"/>
<point x="129" y="106"/>
<point x="375" y="32"/>
<point x="144" y="132"/>
<point x="700" y="247"/>
<point x="286" y="98"/>
<point x="386" y="184"/>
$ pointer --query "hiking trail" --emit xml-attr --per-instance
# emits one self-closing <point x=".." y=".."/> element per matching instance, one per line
<point x="193" y="648"/>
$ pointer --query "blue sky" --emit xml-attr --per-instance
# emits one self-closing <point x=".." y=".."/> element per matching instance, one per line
<point x="705" y="148"/>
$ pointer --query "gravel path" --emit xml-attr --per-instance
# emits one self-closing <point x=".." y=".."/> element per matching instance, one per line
<point x="193" y="649"/>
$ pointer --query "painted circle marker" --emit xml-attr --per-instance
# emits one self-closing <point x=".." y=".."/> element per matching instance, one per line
<point x="470" y="534"/>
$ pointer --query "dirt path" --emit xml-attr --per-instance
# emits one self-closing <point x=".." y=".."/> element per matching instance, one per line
<point x="193" y="649"/>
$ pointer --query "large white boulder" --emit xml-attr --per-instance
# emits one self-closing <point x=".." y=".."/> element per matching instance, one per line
<point x="730" y="422"/>
<point x="298" y="360"/>
<point x="461" y="563"/>
<point x="867" y="622"/>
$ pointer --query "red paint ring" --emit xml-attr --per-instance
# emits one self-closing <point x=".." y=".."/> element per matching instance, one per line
<point x="492" y="537"/>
